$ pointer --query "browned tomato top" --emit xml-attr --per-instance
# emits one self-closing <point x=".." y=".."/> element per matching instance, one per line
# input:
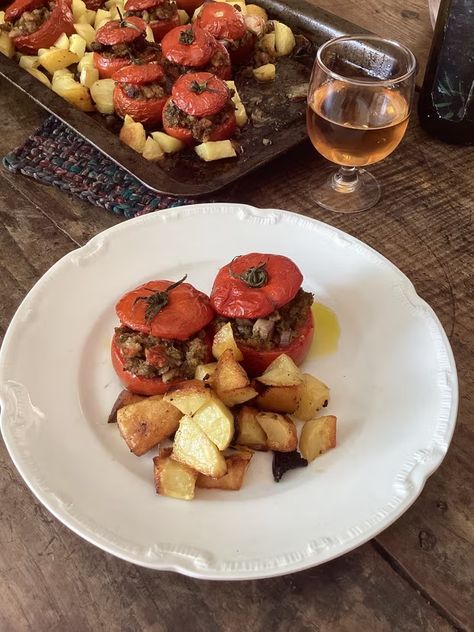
<point x="222" y="20"/>
<point x="121" y="31"/>
<point x="188" y="46"/>
<point x="200" y="94"/>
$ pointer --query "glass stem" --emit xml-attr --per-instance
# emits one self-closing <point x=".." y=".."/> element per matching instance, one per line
<point x="345" y="180"/>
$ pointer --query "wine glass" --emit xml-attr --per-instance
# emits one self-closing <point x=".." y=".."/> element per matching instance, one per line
<point x="359" y="102"/>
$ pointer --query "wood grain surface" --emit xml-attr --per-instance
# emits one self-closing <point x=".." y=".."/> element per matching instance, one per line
<point x="416" y="575"/>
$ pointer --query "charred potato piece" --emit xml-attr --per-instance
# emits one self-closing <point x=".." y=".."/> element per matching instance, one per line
<point x="280" y="431"/>
<point x="172" y="478"/>
<point x="249" y="432"/>
<point x="314" y="394"/>
<point x="216" y="421"/>
<point x="318" y="436"/>
<point x="279" y="399"/>
<point x="237" y="465"/>
<point x="194" y="448"/>
<point x="125" y="398"/>
<point x="281" y="372"/>
<point x="145" y="424"/>
<point x="189" y="396"/>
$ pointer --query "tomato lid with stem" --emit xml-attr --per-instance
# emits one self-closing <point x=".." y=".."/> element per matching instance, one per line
<point x="222" y="20"/>
<point x="200" y="94"/>
<point x="122" y="31"/>
<point x="188" y="45"/>
<point x="17" y="8"/>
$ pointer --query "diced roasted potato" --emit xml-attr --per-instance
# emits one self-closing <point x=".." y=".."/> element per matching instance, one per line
<point x="314" y="394"/>
<point x="168" y="144"/>
<point x="280" y="431"/>
<point x="183" y="16"/>
<point x="284" y="38"/>
<point x="152" y="150"/>
<point x="149" y="35"/>
<point x="173" y="478"/>
<point x="101" y="17"/>
<point x="194" y="448"/>
<point x="268" y="43"/>
<point x="279" y="399"/>
<point x="237" y="465"/>
<point x="254" y="9"/>
<point x="240" y="112"/>
<point x="249" y="432"/>
<point x="78" y="8"/>
<point x="237" y="396"/>
<point x="281" y="372"/>
<point x="102" y="92"/>
<point x="145" y="424"/>
<point x="85" y="62"/>
<point x="6" y="45"/>
<point x="62" y="42"/>
<point x="229" y="374"/>
<point x="223" y="340"/>
<point x="215" y="150"/>
<point x="77" y="44"/>
<point x="86" y="31"/>
<point x="216" y="421"/>
<point x="71" y="90"/>
<point x="87" y="18"/>
<point x="132" y="134"/>
<point x="318" y="436"/>
<point x="28" y="61"/>
<point x="56" y="59"/>
<point x="205" y="371"/>
<point x="189" y="396"/>
<point x="37" y="74"/>
<point x="264" y="73"/>
<point x="125" y="398"/>
<point x="89" y="75"/>
<point x="2" y="17"/>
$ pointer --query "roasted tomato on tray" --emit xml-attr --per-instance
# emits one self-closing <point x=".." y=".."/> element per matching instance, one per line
<point x="119" y="43"/>
<point x="227" y="24"/>
<point x="34" y="24"/>
<point x="161" y="15"/>
<point x="162" y="337"/>
<point x="141" y="91"/>
<point x="200" y="109"/>
<point x="261" y="296"/>
<point x="190" y="48"/>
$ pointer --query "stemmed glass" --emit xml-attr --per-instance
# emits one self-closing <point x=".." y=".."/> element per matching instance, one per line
<point x="359" y="102"/>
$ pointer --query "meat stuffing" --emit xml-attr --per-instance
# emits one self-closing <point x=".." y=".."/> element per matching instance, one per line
<point x="30" y="21"/>
<point x="164" y="12"/>
<point x="201" y="127"/>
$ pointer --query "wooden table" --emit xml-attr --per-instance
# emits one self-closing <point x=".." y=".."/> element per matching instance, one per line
<point x="418" y="574"/>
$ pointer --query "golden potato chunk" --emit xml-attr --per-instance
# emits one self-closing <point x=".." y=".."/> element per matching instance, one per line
<point x="280" y="431"/>
<point x="194" y="448"/>
<point x="189" y="396"/>
<point x="223" y="340"/>
<point x="318" y="436"/>
<point x="284" y="38"/>
<point x="249" y="432"/>
<point x="216" y="421"/>
<point x="279" y="399"/>
<point x="205" y="371"/>
<point x="237" y="465"/>
<point x="145" y="424"/>
<point x="57" y="58"/>
<point x="229" y="374"/>
<point x="172" y="478"/>
<point x="314" y="394"/>
<point x="125" y="398"/>
<point x="281" y="372"/>
<point x="237" y="395"/>
<point x="132" y="134"/>
<point x="265" y="73"/>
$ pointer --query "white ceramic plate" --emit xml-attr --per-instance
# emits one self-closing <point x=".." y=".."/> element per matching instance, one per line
<point x="393" y="381"/>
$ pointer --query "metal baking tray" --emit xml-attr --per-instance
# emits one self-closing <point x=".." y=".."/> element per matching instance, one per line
<point x="276" y="124"/>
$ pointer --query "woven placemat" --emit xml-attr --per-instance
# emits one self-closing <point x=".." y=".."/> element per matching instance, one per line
<point x="56" y="155"/>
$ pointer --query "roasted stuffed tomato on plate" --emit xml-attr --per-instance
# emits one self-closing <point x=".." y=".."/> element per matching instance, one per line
<point x="261" y="296"/>
<point x="162" y="336"/>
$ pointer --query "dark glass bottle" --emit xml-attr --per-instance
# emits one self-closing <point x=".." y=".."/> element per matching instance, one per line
<point x="446" y="104"/>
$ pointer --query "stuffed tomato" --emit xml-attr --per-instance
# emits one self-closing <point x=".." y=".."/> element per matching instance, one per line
<point x="35" y="24"/>
<point x="141" y="91"/>
<point x="225" y="23"/>
<point x="120" y="43"/>
<point x="162" y="336"/>
<point x="200" y="109"/>
<point x="190" y="49"/>
<point x="261" y="296"/>
<point x="161" y="15"/>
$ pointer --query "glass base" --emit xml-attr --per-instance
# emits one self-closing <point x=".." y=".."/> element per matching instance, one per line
<point x="346" y="190"/>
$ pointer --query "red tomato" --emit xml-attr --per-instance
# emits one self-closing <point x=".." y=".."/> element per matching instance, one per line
<point x="224" y="69"/>
<point x="222" y="21"/>
<point x="236" y="297"/>
<point x="93" y="4"/>
<point x="121" y="31"/>
<point x="188" y="45"/>
<point x="200" y="94"/>
<point x="136" y="383"/>
<point x="148" y="111"/>
<point x="189" y="5"/>
<point x="142" y="5"/>
<point x="186" y="312"/>
<point x="60" y="21"/>
<point x="221" y="132"/>
<point x="255" y="362"/>
<point x="159" y="27"/>
<point x="108" y="65"/>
